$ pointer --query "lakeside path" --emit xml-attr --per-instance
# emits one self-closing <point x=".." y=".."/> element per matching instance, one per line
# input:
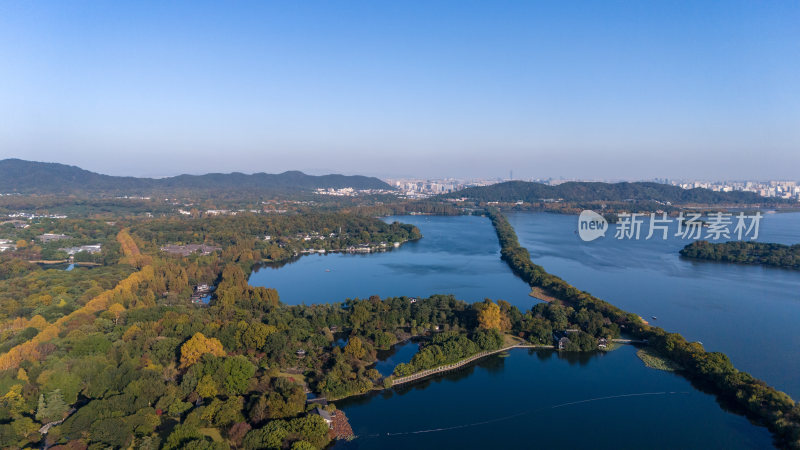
<point x="465" y="361"/>
<point x="453" y="366"/>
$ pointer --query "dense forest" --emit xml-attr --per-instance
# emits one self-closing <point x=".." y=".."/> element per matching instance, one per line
<point x="575" y="191"/>
<point x="118" y="355"/>
<point x="776" y="255"/>
<point x="29" y="177"/>
<point x="193" y="202"/>
<point x="84" y="207"/>
<point x="710" y="370"/>
<point x="347" y="229"/>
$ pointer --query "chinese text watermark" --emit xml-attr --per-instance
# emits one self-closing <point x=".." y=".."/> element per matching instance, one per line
<point x="714" y="226"/>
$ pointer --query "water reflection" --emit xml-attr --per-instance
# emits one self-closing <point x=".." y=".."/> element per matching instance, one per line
<point x="561" y="400"/>
<point x="401" y="352"/>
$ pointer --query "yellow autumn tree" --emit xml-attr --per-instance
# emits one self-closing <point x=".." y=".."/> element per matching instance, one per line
<point x="116" y="309"/>
<point x="206" y="387"/>
<point x="38" y="322"/>
<point x="355" y="348"/>
<point x="13" y="400"/>
<point x="490" y="317"/>
<point x="127" y="244"/>
<point x="199" y="345"/>
<point x="131" y="252"/>
<point x="131" y="333"/>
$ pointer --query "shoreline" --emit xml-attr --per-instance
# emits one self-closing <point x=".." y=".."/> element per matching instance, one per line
<point x="47" y="262"/>
<point x="444" y="369"/>
<point x="354" y="251"/>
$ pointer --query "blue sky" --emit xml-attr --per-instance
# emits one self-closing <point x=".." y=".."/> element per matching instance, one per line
<point x="600" y="90"/>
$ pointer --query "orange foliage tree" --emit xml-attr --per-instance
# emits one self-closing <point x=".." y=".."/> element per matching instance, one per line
<point x="199" y="345"/>
<point x="131" y="251"/>
<point x="491" y="317"/>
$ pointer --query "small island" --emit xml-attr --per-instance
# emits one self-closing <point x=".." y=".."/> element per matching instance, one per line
<point x="755" y="253"/>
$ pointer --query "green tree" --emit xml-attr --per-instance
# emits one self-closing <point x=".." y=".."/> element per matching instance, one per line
<point x="181" y="436"/>
<point x="311" y="428"/>
<point x="359" y="316"/>
<point x="355" y="348"/>
<point x="206" y="387"/>
<point x="269" y="437"/>
<point x="254" y="335"/>
<point x="51" y="407"/>
<point x="237" y="372"/>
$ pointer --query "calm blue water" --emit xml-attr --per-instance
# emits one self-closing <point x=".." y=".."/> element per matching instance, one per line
<point x="749" y="313"/>
<point x="546" y="400"/>
<point x="457" y="255"/>
<point x="399" y="353"/>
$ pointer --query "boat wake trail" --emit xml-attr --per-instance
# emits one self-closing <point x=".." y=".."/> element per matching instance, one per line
<point x="529" y="411"/>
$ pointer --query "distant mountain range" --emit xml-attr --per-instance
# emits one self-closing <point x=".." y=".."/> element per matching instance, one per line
<point x="579" y="191"/>
<point x="30" y="177"/>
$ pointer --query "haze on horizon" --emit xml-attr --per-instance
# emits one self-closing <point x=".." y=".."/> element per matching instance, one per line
<point x="592" y="90"/>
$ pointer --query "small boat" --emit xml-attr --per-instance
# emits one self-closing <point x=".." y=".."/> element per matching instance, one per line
<point x="327" y="270"/>
<point x="654" y="317"/>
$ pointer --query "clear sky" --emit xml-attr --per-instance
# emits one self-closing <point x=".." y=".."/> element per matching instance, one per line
<point x="632" y="89"/>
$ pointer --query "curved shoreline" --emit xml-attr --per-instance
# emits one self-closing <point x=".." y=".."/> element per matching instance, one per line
<point x="423" y="374"/>
<point x="447" y="367"/>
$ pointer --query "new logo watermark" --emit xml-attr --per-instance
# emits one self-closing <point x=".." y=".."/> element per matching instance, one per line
<point x="714" y="226"/>
<point x="591" y="225"/>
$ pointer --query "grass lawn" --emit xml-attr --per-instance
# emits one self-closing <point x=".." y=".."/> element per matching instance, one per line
<point x="213" y="433"/>
<point x="653" y="360"/>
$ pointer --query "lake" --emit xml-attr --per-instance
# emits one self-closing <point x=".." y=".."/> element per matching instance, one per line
<point x="546" y="400"/>
<point x="457" y="255"/>
<point x="748" y="312"/>
<point x="399" y="353"/>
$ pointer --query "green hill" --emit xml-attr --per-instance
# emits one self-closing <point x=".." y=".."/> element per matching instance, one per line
<point x="29" y="177"/>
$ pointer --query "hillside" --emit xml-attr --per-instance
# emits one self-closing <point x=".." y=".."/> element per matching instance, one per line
<point x="29" y="177"/>
<point x="575" y="191"/>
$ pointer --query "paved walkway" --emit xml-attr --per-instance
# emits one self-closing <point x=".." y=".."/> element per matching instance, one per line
<point x="463" y="362"/>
